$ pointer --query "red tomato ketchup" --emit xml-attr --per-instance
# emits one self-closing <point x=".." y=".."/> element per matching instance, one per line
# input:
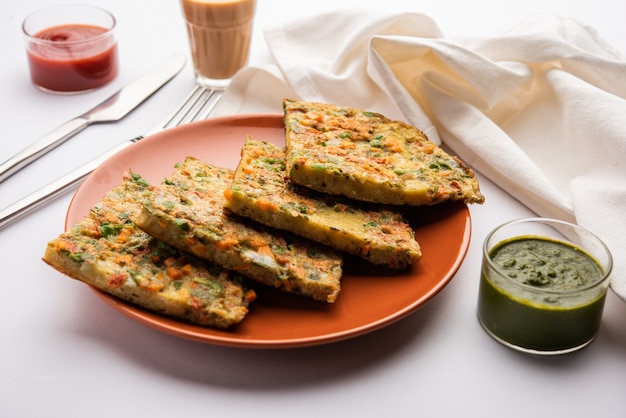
<point x="72" y="57"/>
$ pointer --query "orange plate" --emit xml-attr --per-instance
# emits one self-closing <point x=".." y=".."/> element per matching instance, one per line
<point x="369" y="298"/>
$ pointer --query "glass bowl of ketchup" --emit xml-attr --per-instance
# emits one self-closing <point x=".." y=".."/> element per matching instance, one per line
<point x="71" y="48"/>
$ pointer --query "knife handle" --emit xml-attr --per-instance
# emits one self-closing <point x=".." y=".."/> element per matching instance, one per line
<point x="40" y="197"/>
<point x="44" y="144"/>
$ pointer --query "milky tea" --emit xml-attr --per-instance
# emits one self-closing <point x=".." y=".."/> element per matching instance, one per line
<point x="219" y="36"/>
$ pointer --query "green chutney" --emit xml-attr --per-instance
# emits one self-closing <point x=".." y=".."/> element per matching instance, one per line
<point x="539" y="294"/>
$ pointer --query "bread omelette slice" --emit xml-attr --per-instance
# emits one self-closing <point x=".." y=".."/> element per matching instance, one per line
<point x="364" y="155"/>
<point x="262" y="192"/>
<point x="186" y="211"/>
<point x="109" y="252"/>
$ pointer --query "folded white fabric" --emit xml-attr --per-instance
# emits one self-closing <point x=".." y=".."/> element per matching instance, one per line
<point x="539" y="110"/>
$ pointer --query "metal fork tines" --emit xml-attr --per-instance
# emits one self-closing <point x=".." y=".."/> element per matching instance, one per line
<point x="198" y="105"/>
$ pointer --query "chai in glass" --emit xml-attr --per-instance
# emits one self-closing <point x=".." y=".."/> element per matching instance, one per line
<point x="219" y="37"/>
<point x="543" y="285"/>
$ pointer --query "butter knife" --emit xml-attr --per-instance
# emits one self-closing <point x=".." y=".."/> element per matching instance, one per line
<point x="112" y="109"/>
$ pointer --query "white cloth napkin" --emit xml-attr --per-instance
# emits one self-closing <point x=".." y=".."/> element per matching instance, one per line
<point x="539" y="110"/>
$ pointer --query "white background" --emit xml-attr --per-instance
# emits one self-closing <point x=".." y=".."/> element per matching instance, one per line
<point x="63" y="352"/>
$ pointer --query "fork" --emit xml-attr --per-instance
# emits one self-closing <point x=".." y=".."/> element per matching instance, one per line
<point x="198" y="105"/>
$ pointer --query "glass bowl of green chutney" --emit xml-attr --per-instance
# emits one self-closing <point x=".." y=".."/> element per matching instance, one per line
<point x="543" y="285"/>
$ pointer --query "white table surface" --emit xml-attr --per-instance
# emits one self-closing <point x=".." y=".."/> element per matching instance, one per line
<point x="63" y="352"/>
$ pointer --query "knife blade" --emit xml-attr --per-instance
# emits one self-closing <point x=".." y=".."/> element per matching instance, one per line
<point x="112" y="109"/>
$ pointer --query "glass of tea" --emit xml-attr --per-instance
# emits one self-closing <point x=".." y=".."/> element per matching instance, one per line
<point x="219" y="38"/>
<point x="71" y="48"/>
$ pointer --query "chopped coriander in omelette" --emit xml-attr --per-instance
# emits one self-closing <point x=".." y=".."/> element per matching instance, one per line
<point x="109" y="252"/>
<point x="186" y="211"/>
<point x="366" y="156"/>
<point x="260" y="191"/>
